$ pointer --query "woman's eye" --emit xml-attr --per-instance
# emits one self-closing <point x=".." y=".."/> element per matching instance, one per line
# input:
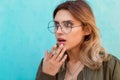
<point x="68" y="24"/>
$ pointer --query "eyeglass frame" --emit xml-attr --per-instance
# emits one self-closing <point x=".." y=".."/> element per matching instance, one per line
<point x="61" y="27"/>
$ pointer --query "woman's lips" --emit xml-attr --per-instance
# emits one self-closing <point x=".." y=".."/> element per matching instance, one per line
<point x="61" y="41"/>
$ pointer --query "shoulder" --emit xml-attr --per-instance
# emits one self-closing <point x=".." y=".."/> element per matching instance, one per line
<point x="112" y="66"/>
<point x="112" y="60"/>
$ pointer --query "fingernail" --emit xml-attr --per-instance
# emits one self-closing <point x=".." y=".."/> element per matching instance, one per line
<point x="61" y="45"/>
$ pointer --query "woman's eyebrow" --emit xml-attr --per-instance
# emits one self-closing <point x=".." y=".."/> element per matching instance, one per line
<point x="64" y="21"/>
<point x="68" y="21"/>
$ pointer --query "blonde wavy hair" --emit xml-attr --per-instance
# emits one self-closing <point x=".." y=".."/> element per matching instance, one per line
<point x="92" y="54"/>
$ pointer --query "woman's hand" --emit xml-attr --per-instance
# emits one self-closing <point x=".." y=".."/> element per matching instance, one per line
<point x="53" y="62"/>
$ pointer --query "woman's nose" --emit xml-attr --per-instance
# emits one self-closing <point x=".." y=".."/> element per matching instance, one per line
<point x="59" y="30"/>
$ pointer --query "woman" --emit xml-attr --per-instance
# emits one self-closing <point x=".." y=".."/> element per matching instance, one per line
<point x="78" y="54"/>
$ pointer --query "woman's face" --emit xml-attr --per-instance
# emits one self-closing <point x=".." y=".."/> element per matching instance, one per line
<point x="72" y="39"/>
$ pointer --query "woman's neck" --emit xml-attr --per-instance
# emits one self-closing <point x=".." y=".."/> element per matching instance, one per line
<point x="73" y="55"/>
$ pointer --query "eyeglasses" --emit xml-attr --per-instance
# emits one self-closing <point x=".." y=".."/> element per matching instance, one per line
<point x="65" y="26"/>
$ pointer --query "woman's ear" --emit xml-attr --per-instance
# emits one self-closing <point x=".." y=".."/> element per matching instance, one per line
<point x="87" y="30"/>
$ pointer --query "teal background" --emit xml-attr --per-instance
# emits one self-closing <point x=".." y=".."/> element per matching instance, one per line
<point x="24" y="36"/>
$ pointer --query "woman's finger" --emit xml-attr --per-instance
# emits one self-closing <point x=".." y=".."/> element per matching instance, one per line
<point x="52" y="51"/>
<point x="46" y="56"/>
<point x="63" y="60"/>
<point x="60" y="56"/>
<point x="57" y="52"/>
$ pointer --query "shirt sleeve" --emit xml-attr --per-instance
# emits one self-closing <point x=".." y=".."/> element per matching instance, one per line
<point x="43" y="76"/>
<point x="116" y="69"/>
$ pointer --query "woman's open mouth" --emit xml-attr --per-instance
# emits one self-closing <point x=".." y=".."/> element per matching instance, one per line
<point x="61" y="41"/>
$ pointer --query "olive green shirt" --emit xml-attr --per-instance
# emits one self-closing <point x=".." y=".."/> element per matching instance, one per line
<point x="110" y="70"/>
